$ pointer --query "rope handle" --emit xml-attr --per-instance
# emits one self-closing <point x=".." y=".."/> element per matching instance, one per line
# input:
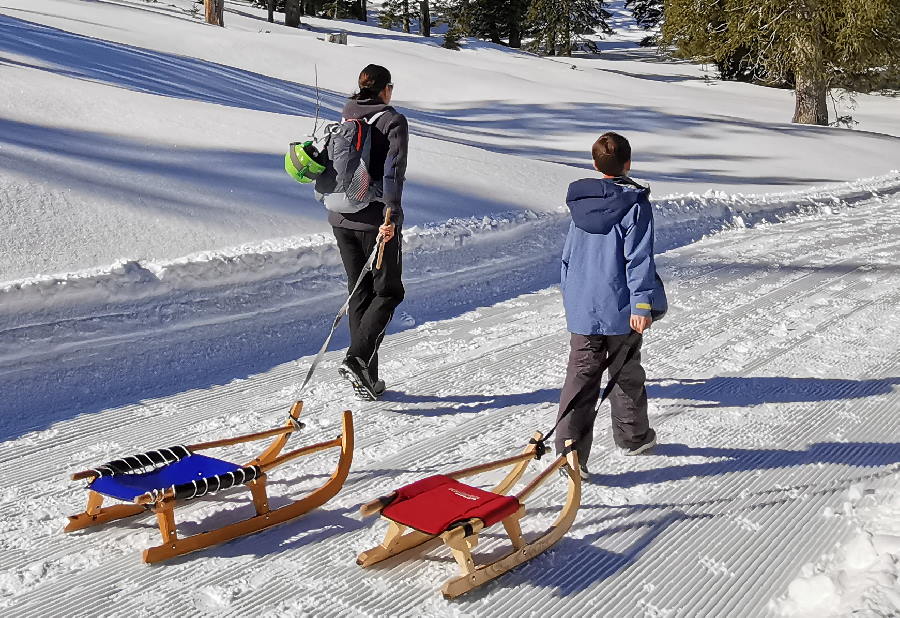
<point x="626" y="353"/>
<point x="387" y="221"/>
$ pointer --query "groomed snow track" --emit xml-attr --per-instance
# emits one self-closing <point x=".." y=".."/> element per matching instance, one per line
<point x="773" y="389"/>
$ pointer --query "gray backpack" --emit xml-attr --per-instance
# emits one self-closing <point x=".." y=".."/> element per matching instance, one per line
<point x="346" y="185"/>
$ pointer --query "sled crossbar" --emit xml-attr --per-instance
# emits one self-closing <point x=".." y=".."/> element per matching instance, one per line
<point x="137" y="484"/>
<point x="442" y="507"/>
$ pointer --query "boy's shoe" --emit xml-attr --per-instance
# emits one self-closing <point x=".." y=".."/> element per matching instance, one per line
<point x="354" y="370"/>
<point x="378" y="388"/>
<point x="641" y="448"/>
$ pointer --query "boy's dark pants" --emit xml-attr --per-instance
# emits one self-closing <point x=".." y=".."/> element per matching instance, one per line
<point x="581" y="391"/>
<point x="373" y="304"/>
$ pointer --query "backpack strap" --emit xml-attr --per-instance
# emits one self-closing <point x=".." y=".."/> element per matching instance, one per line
<point x="374" y="117"/>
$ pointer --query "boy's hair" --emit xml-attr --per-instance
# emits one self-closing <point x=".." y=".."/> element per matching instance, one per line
<point x="611" y="153"/>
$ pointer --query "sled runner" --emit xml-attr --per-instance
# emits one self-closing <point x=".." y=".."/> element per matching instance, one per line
<point x="442" y="506"/>
<point x="160" y="480"/>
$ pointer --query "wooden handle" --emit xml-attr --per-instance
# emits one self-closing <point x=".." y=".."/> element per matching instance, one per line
<point x="387" y="221"/>
<point x="87" y="474"/>
<point x="376" y="505"/>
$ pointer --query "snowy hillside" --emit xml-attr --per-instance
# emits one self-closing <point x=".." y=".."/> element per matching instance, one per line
<point x="162" y="281"/>
<point x="163" y="136"/>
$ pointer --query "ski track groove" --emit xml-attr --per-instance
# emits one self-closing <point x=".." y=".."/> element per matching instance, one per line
<point x="746" y="484"/>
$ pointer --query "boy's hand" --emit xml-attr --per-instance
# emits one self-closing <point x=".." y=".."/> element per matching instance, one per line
<point x="387" y="232"/>
<point x="640" y="323"/>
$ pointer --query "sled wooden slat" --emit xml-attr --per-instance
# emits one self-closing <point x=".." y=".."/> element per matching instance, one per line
<point x="494" y="465"/>
<point x="248" y="438"/>
<point x="94" y="515"/>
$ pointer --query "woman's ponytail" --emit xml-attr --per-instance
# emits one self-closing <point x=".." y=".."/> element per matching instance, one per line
<point x="372" y="81"/>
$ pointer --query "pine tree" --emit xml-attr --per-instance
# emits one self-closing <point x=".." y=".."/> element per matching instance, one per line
<point x="341" y="9"/>
<point x="647" y="13"/>
<point x="518" y="9"/>
<point x="451" y="40"/>
<point x="398" y="13"/>
<point x="499" y="21"/>
<point x="816" y="44"/>
<point x="560" y="25"/>
<point x="489" y="19"/>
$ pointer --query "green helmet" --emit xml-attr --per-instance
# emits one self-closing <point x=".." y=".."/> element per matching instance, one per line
<point x="300" y="162"/>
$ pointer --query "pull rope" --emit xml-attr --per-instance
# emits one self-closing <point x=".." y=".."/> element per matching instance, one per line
<point x="318" y="103"/>
<point x="626" y="353"/>
<point x="367" y="268"/>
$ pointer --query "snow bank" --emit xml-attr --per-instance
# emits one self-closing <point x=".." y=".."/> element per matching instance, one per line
<point x="679" y="219"/>
<point x="863" y="572"/>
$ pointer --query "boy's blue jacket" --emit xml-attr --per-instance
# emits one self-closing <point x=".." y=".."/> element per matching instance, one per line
<point x="608" y="270"/>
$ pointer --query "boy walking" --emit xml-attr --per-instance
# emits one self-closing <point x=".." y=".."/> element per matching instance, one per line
<point x="611" y="294"/>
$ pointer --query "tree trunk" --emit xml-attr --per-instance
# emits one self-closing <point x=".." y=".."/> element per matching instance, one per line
<point x="292" y="13"/>
<point x="406" y="16"/>
<point x="495" y="33"/>
<point x="811" y="88"/>
<point x="811" y="100"/>
<point x="515" y="24"/>
<point x="425" y="18"/>
<point x="270" y="5"/>
<point x="362" y="10"/>
<point x="214" y="12"/>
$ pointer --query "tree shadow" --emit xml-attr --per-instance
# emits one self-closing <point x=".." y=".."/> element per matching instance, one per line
<point x="585" y="563"/>
<point x="731" y="391"/>
<point x="42" y="14"/>
<point x="728" y="460"/>
<point x="466" y="404"/>
<point x="181" y="181"/>
<point x="159" y="73"/>
<point x="476" y="124"/>
<point x="655" y="77"/>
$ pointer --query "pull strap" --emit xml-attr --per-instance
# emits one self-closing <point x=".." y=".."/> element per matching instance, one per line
<point x="626" y="353"/>
<point x="367" y="267"/>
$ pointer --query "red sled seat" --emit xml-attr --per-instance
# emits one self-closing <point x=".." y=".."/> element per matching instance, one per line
<point x="435" y="503"/>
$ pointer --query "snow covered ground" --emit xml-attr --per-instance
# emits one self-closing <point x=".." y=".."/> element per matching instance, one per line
<point x="161" y="279"/>
<point x="779" y="440"/>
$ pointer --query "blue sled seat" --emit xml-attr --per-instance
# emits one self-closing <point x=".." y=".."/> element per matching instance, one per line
<point x="192" y="468"/>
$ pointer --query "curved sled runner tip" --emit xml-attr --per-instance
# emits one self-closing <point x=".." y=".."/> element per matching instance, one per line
<point x="442" y="507"/>
<point x="160" y="480"/>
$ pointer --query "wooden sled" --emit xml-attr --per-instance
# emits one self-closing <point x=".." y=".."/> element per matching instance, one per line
<point x="441" y="506"/>
<point x="161" y="479"/>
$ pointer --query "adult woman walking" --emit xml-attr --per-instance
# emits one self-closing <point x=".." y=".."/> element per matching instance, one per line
<point x="372" y="305"/>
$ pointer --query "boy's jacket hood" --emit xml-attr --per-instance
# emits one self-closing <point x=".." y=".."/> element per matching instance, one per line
<point x="597" y="204"/>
